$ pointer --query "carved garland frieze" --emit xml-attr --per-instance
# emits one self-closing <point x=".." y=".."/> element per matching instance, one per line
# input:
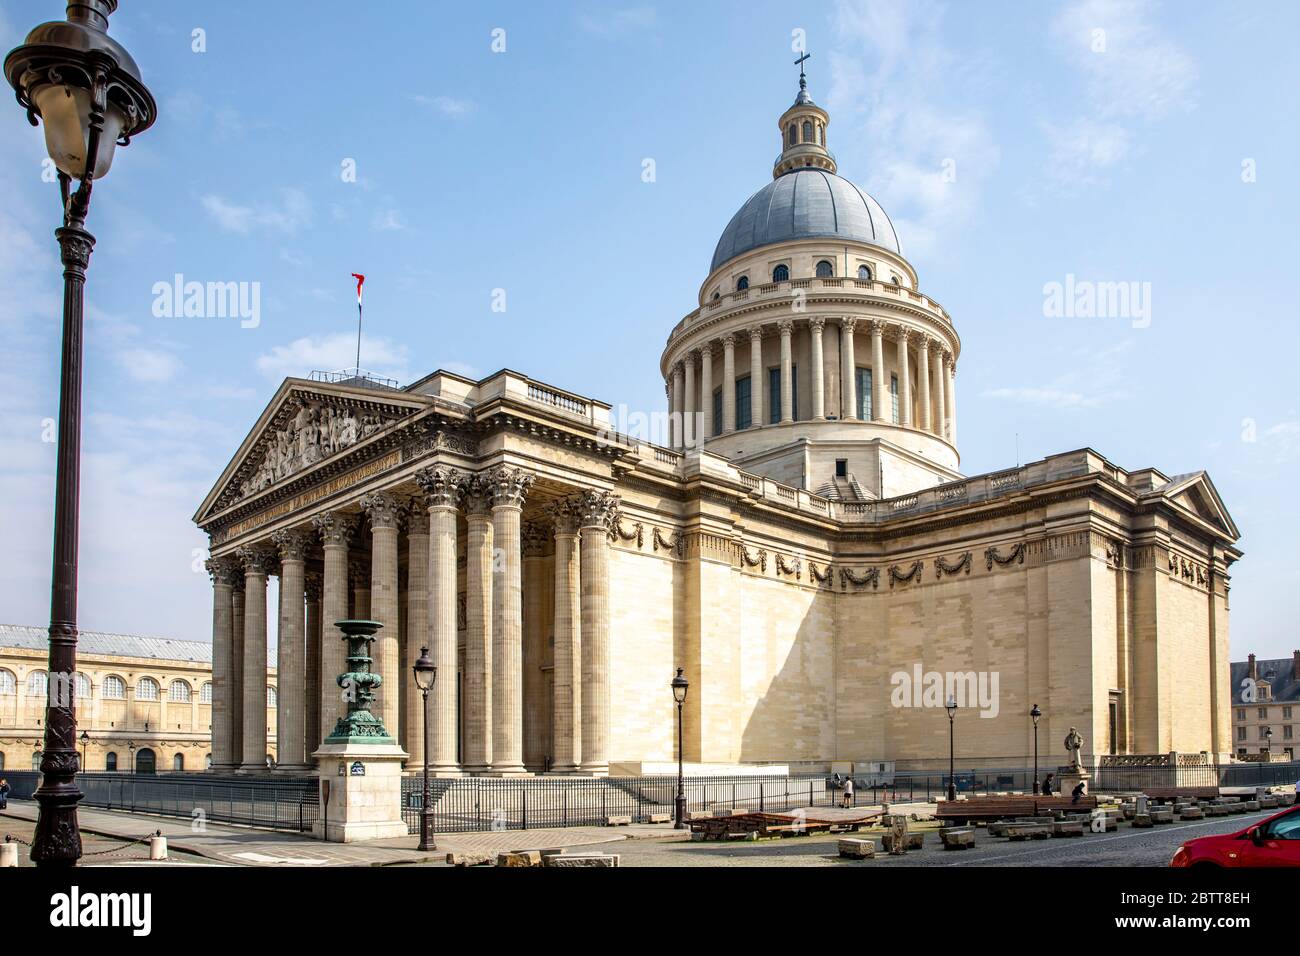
<point x="870" y="576"/>
<point x="637" y="534"/>
<point x="674" y="545"/>
<point x="943" y="566"/>
<point x="826" y="577"/>
<point x="795" y="567"/>
<point x="1016" y="556"/>
<point x="757" y="561"/>
<point x="915" y="573"/>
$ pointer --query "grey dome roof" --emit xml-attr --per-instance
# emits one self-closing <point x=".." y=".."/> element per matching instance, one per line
<point x="805" y="204"/>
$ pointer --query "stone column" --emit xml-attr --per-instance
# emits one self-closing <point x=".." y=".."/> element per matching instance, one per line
<point x="509" y="486"/>
<point x="566" y="738"/>
<point x="923" y="382"/>
<point x="879" y="412"/>
<point x="258" y="563"/>
<point x="597" y="511"/>
<point x="476" y="684"/>
<point x="291" y="665"/>
<point x="689" y="438"/>
<point x="441" y="487"/>
<point x="848" y="370"/>
<point x="335" y="531"/>
<point x="950" y="396"/>
<point x="815" y="326"/>
<point x="755" y="377"/>
<point x="677" y="417"/>
<point x="223" y="574"/>
<point x="940" y="414"/>
<point x="236" y="693"/>
<point x="904" y="381"/>
<point x="359" y="578"/>
<point x="728" y="384"/>
<point x="786" y="328"/>
<point x="384" y="512"/>
<point x="417" y="629"/>
<point x="313" y="588"/>
<point x="535" y="537"/>
<point x="706" y="392"/>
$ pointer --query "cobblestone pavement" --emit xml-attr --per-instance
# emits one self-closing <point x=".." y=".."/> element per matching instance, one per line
<point x="1125" y="847"/>
<point x="244" y="846"/>
<point x="97" y="850"/>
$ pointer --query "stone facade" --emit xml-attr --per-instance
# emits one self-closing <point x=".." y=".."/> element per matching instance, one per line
<point x="1266" y="697"/>
<point x="801" y="545"/>
<point x="153" y="692"/>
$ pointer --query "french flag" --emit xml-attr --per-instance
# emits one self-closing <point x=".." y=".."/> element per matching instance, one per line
<point x="360" y="282"/>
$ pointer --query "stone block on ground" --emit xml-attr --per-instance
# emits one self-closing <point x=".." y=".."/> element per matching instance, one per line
<point x="1142" y="821"/>
<point x="1068" y="828"/>
<point x="468" y="859"/>
<point x="618" y="821"/>
<point x="1030" y="831"/>
<point x="1161" y="814"/>
<point x="1252" y="806"/>
<point x="582" y="860"/>
<point x="957" y="838"/>
<point x="857" y="849"/>
<point x="658" y="818"/>
<point x="520" y="858"/>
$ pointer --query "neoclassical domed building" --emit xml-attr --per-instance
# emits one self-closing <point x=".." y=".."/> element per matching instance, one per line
<point x="804" y="546"/>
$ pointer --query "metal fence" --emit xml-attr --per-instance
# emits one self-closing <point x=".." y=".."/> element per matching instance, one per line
<point x="281" y="803"/>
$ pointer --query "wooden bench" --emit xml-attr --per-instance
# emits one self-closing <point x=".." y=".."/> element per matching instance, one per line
<point x="1173" y="793"/>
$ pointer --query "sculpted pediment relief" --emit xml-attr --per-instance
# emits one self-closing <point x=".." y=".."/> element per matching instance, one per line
<point x="1198" y="495"/>
<point x="307" y="429"/>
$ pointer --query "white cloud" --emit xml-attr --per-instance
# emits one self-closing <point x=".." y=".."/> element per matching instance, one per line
<point x="290" y="214"/>
<point x="150" y="366"/>
<point x="446" y="105"/>
<point x="390" y="220"/>
<point x="336" y="351"/>
<point x="1096" y="379"/>
<point x="619" y="22"/>
<point x="1050" y="397"/>
<point x="892" y="99"/>
<point x="1132" y="74"/>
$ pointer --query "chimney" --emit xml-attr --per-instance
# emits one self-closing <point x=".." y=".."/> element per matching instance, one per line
<point x="1254" y="670"/>
<point x="1295" y="665"/>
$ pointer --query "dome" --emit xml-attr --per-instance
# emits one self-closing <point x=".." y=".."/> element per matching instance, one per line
<point x="805" y="204"/>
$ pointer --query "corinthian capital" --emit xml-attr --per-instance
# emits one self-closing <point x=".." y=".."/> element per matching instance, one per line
<point x="441" y="486"/>
<point x="534" y="536"/>
<point x="292" y="544"/>
<point x="476" y="495"/>
<point x="509" y="485"/>
<point x="565" y="515"/>
<point x="382" y="508"/>
<point x="224" y="571"/>
<point x="785" y="326"/>
<point x="417" y="518"/>
<point x="597" y="509"/>
<point x="817" y="323"/>
<point x="848" y="323"/>
<point x="258" y="560"/>
<point x="335" y="529"/>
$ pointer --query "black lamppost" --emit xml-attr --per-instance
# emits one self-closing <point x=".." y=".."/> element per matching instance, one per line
<point x="680" y="685"/>
<point x="1268" y="740"/>
<point x="952" y="773"/>
<point x="425" y="674"/>
<point x="87" y="90"/>
<point x="130" y="748"/>
<point x="1035" y="713"/>
<point x="85" y="739"/>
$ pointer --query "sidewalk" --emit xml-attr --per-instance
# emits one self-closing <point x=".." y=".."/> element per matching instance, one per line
<point x="245" y="846"/>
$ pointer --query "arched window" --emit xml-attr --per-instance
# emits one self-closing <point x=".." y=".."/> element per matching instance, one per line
<point x="742" y="283"/>
<point x="8" y="683"/>
<point x="110" y="761"/>
<point x="807" y="132"/>
<point x="205" y="695"/>
<point x="146" y="689"/>
<point x="864" y="272"/>
<point x="38" y="684"/>
<point x="781" y="273"/>
<point x="896" y="281"/>
<point x="112" y="688"/>
<point x="716" y="295"/>
<point x="36" y="760"/>
<point x="825" y="269"/>
<point x="83" y="686"/>
<point x="178" y="762"/>
<point x="794" y="133"/>
<point x="271" y="697"/>
<point x="179" y="692"/>
<point x="821" y="134"/>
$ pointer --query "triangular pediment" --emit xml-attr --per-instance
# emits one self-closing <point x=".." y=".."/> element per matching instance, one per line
<point x="1197" y="494"/>
<point x="305" y="425"/>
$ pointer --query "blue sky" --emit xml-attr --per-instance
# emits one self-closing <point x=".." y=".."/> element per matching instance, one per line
<point x="522" y="170"/>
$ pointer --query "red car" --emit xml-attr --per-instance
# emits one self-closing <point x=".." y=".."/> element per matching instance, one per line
<point x="1271" y="842"/>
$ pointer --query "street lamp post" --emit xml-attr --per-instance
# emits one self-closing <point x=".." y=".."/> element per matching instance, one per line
<point x="87" y="90"/>
<point x="1035" y="713"/>
<point x="1268" y="740"/>
<point x="85" y="739"/>
<point x="952" y="774"/>
<point x="130" y="749"/>
<point x="425" y="674"/>
<point x="680" y="685"/>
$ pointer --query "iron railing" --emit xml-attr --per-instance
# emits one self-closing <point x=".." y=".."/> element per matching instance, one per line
<point x="280" y="803"/>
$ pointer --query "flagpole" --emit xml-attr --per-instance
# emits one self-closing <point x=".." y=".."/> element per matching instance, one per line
<point x="358" y="336"/>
